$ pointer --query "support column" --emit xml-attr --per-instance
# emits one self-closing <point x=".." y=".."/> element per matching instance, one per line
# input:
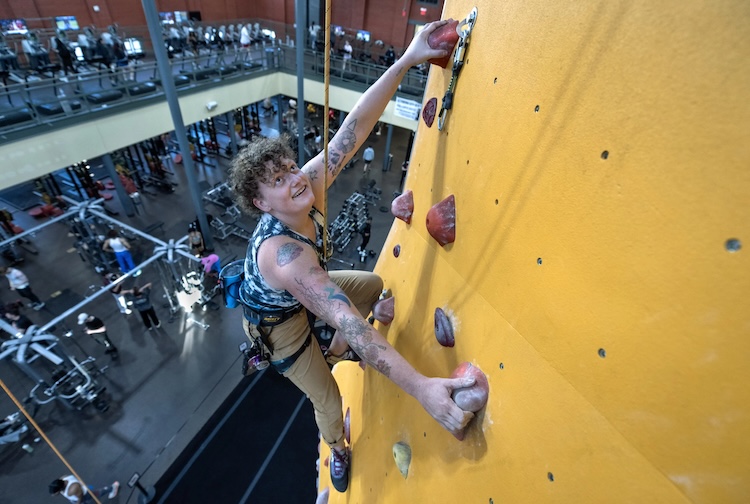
<point x="279" y="114"/>
<point x="388" y="140"/>
<point x="229" y="116"/>
<point x="300" y="10"/>
<point x="167" y="82"/>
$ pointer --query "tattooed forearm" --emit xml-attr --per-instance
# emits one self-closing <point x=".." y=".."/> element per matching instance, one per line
<point x="334" y="161"/>
<point x="315" y="300"/>
<point x="288" y="253"/>
<point x="358" y="335"/>
<point x="356" y="330"/>
<point x="346" y="140"/>
<point x="334" y="294"/>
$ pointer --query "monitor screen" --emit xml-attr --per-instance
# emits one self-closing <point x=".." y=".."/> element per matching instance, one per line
<point x="337" y="30"/>
<point x="181" y="16"/>
<point x="13" y="26"/>
<point x="66" y="22"/>
<point x="166" y="17"/>
<point x="363" y="35"/>
<point x="132" y="46"/>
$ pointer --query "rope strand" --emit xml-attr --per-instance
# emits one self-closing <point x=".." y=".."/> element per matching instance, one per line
<point x="46" y="439"/>
<point x="326" y="85"/>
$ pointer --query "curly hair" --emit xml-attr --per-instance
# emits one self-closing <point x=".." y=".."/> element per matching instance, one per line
<point x="251" y="167"/>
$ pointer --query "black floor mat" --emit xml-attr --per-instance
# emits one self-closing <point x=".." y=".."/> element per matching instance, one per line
<point x="225" y="468"/>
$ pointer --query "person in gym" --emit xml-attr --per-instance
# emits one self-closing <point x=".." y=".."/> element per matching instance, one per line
<point x="95" y="328"/>
<point x="19" y="282"/>
<point x="368" y="157"/>
<point x="72" y="489"/>
<point x="121" y="249"/>
<point x="285" y="275"/>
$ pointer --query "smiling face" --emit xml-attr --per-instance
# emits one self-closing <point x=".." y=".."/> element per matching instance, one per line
<point x="288" y="190"/>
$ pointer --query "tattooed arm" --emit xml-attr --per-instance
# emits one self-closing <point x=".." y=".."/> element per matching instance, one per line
<point x="366" y="112"/>
<point x="289" y="264"/>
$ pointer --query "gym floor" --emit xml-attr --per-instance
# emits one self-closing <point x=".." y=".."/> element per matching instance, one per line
<point x="180" y="414"/>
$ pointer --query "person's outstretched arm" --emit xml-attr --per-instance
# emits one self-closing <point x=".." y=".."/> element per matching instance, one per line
<point x="289" y="264"/>
<point x="368" y="109"/>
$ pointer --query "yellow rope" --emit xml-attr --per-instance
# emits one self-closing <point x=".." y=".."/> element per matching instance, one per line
<point x="41" y="432"/>
<point x="327" y="80"/>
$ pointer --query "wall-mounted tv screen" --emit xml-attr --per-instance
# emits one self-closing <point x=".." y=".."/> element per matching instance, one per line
<point x="337" y="30"/>
<point x="13" y="26"/>
<point x="66" y="22"/>
<point x="363" y="35"/>
<point x="166" y="17"/>
<point x="181" y="16"/>
<point x="132" y="46"/>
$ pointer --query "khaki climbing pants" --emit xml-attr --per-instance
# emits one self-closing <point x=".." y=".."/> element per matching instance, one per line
<point x="310" y="371"/>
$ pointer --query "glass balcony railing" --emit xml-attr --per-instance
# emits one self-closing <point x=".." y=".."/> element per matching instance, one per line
<point x="46" y="101"/>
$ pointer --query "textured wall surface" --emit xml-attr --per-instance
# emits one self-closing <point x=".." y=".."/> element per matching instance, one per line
<point x="598" y="155"/>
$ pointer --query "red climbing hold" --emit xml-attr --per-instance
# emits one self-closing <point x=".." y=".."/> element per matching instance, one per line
<point x="443" y="329"/>
<point x="403" y="206"/>
<point x="471" y="398"/>
<point x="347" y="428"/>
<point x="383" y="310"/>
<point x="429" y="110"/>
<point x="441" y="221"/>
<point x="445" y="37"/>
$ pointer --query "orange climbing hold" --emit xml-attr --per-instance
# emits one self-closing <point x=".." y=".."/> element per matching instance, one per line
<point x="441" y="221"/>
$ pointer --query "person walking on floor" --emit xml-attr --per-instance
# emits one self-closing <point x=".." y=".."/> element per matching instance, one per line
<point x="116" y="290"/>
<point x="368" y="157"/>
<point x="95" y="328"/>
<point x="121" y="248"/>
<point x="70" y="488"/>
<point x="142" y="302"/>
<point x="20" y="283"/>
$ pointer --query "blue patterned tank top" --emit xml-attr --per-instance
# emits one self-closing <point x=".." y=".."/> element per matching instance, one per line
<point x="254" y="291"/>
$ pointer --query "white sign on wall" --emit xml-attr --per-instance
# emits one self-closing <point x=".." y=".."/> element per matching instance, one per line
<point x="407" y="109"/>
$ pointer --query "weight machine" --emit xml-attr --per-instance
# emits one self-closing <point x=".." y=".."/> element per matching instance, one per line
<point x="349" y="221"/>
<point x="57" y="374"/>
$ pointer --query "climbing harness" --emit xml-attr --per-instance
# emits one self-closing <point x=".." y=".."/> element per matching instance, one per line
<point x="464" y="32"/>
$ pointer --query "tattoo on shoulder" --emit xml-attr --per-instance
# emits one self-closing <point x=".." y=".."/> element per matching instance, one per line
<point x="287" y="253"/>
<point x="313" y="174"/>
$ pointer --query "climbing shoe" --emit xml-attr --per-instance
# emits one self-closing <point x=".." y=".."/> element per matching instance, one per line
<point x="115" y="489"/>
<point x="339" y="464"/>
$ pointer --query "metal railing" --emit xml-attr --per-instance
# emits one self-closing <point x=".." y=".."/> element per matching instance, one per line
<point x="39" y="104"/>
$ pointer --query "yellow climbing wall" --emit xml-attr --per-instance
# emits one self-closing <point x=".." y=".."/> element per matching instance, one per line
<point x="599" y="157"/>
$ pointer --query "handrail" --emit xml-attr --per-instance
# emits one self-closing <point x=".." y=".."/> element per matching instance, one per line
<point x="38" y="106"/>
